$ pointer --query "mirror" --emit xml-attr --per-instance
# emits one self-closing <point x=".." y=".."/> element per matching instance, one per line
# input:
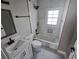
<point x="7" y="24"/>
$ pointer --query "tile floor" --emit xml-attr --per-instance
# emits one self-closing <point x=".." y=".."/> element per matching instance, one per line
<point x="47" y="53"/>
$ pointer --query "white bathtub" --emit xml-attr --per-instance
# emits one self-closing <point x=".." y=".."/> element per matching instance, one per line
<point x="48" y="41"/>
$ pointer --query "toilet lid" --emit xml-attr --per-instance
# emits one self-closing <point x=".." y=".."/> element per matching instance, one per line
<point x="36" y="43"/>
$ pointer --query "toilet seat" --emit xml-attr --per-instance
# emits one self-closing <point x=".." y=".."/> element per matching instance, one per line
<point x="36" y="43"/>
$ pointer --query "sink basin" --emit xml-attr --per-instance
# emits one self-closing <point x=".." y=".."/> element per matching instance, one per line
<point x="19" y="44"/>
<point x="15" y="46"/>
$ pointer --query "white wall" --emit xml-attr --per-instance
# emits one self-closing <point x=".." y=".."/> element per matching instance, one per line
<point x="69" y="26"/>
<point x="19" y="8"/>
<point x="44" y="6"/>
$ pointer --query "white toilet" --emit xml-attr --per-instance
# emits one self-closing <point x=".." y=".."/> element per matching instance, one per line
<point x="37" y="45"/>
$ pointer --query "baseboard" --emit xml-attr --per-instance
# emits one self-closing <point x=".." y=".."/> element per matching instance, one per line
<point x="63" y="53"/>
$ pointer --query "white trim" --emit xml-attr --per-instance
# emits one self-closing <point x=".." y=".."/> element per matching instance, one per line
<point x="63" y="53"/>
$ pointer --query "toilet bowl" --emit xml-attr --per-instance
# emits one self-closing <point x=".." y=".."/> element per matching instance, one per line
<point x="36" y="45"/>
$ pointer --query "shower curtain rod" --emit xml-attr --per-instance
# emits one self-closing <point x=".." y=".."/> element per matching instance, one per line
<point x="21" y="16"/>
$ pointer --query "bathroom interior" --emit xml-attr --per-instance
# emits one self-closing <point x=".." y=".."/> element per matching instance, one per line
<point x="38" y="29"/>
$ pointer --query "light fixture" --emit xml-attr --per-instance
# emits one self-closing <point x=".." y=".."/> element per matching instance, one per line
<point x="35" y="6"/>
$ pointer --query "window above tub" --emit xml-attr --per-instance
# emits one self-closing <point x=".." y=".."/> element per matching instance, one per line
<point x="52" y="17"/>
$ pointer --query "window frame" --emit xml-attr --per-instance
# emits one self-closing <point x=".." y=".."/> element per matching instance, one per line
<point x="53" y="16"/>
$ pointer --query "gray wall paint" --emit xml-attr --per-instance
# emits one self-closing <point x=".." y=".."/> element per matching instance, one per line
<point x="72" y="41"/>
<point x="69" y="26"/>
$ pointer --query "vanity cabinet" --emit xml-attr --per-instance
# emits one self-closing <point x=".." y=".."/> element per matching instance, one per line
<point x="30" y="52"/>
<point x="21" y="55"/>
<point x="25" y="52"/>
